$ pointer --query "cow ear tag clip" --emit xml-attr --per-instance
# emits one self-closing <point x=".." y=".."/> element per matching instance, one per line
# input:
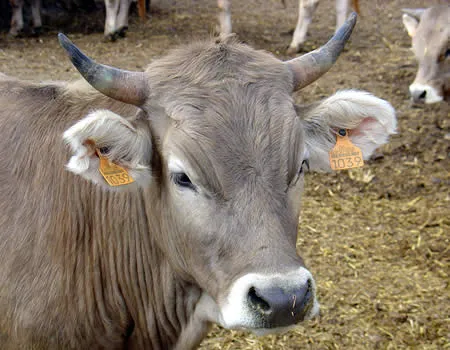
<point x="345" y="155"/>
<point x="114" y="174"/>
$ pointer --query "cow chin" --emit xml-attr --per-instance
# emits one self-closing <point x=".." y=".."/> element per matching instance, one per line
<point x="270" y="303"/>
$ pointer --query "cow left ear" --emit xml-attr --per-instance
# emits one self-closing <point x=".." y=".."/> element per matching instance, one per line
<point x="109" y="150"/>
<point x="411" y="19"/>
<point x="368" y="120"/>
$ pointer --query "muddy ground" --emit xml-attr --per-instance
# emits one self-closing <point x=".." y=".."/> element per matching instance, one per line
<point x="377" y="240"/>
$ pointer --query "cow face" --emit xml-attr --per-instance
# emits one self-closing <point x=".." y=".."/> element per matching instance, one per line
<point x="232" y="149"/>
<point x="430" y="32"/>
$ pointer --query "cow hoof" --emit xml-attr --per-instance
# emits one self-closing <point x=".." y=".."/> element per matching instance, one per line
<point x="293" y="50"/>
<point x="122" y="32"/>
<point x="36" y="31"/>
<point x="15" y="34"/>
<point x="111" y="37"/>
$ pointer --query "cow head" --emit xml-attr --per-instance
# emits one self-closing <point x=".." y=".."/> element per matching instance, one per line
<point x="430" y="32"/>
<point x="221" y="137"/>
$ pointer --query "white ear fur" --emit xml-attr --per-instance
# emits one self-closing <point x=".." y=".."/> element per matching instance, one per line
<point x="369" y="120"/>
<point x="410" y="24"/>
<point x="127" y="146"/>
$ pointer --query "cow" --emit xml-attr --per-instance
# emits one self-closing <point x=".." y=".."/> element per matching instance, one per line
<point x="116" y="17"/>
<point x="306" y="9"/>
<point x="117" y="11"/>
<point x="179" y="202"/>
<point x="305" y="13"/>
<point x="430" y="33"/>
<point x="17" y="17"/>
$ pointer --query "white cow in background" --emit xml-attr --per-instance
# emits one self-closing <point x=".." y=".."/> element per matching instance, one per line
<point x="306" y="10"/>
<point x="116" y="19"/>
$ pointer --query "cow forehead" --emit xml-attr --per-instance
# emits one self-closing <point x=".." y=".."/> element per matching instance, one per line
<point x="231" y="111"/>
<point x="200" y="70"/>
<point x="433" y="32"/>
<point x="243" y="138"/>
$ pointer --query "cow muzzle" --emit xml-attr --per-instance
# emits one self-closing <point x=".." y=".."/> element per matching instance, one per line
<point x="263" y="303"/>
<point x="422" y="93"/>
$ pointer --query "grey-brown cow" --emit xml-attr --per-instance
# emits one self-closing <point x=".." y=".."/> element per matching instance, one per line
<point x="207" y="231"/>
<point x="430" y="32"/>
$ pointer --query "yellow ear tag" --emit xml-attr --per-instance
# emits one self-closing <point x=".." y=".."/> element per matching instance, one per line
<point x="113" y="174"/>
<point x="345" y="155"/>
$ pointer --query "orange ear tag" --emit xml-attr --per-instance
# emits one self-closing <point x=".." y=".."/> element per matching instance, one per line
<point x="113" y="174"/>
<point x="345" y="155"/>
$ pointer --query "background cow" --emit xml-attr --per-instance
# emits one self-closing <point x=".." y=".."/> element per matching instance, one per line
<point x="306" y="9"/>
<point x="430" y="33"/>
<point x="207" y="230"/>
<point x="116" y="16"/>
<point x="117" y="11"/>
<point x="17" y="23"/>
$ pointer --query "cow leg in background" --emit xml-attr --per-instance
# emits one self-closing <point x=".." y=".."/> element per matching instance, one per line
<point x="224" y="16"/>
<point x="112" y="9"/>
<point x="341" y="12"/>
<point x="122" y="18"/>
<point x="306" y="10"/>
<point x="16" y="17"/>
<point x="36" y="14"/>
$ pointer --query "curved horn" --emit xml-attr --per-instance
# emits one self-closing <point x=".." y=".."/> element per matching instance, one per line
<point x="313" y="65"/>
<point x="121" y="85"/>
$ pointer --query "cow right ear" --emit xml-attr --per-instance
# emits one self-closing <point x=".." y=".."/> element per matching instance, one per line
<point x="410" y="24"/>
<point x="109" y="150"/>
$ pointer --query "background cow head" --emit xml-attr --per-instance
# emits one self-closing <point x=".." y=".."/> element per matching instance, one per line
<point x="430" y="33"/>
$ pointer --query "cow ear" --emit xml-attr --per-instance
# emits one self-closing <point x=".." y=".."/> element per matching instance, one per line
<point x="369" y="121"/>
<point x="411" y="23"/>
<point x="105" y="139"/>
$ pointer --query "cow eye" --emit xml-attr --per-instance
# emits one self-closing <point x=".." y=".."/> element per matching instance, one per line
<point x="444" y="56"/>
<point x="182" y="180"/>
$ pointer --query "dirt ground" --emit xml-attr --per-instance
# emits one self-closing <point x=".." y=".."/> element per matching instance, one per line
<point x="377" y="240"/>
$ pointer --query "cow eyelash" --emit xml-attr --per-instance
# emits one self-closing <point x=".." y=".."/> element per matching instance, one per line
<point x="182" y="180"/>
<point x="305" y="162"/>
<point x="444" y="56"/>
<point x="300" y="172"/>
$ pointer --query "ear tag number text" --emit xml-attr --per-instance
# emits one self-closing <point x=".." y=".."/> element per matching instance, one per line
<point x="113" y="174"/>
<point x="345" y="155"/>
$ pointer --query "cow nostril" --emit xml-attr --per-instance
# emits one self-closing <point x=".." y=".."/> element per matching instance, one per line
<point x="308" y="294"/>
<point x="256" y="301"/>
<point x="423" y="95"/>
<point x="418" y="95"/>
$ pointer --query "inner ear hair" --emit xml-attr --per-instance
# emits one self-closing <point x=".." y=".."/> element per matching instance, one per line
<point x="90" y="147"/>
